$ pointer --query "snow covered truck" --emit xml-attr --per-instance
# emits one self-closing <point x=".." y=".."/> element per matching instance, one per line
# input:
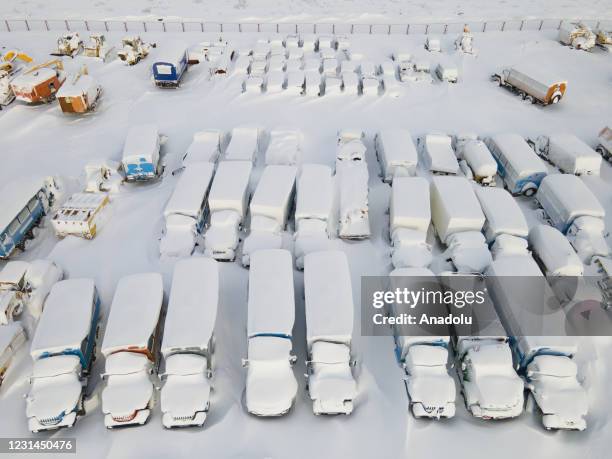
<point x="532" y="85"/>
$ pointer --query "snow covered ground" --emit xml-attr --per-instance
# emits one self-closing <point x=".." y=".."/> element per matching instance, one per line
<point x="385" y="11"/>
<point x="41" y="140"/>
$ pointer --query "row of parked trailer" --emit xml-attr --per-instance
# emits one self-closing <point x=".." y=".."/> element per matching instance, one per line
<point x="68" y="334"/>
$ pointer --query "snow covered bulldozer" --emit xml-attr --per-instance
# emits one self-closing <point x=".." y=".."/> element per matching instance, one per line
<point x="98" y="47"/>
<point x="577" y="35"/>
<point x="7" y="70"/>
<point x="69" y="44"/>
<point x="134" y="50"/>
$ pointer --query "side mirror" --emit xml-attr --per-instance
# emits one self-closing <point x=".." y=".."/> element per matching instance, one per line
<point x="292" y="359"/>
<point x="353" y="363"/>
<point x="245" y="363"/>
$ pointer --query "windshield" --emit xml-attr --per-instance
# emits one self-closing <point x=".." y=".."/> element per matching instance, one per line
<point x="164" y="69"/>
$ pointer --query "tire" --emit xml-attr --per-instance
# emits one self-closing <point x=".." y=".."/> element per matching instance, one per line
<point x="531" y="99"/>
<point x="555" y="100"/>
<point x="529" y="192"/>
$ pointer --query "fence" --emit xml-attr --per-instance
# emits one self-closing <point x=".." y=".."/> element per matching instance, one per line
<point x="96" y="25"/>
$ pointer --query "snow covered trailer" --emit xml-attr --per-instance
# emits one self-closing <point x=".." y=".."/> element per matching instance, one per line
<point x="315" y="198"/>
<point x="40" y="83"/>
<point x="130" y="349"/>
<point x="409" y="219"/>
<point x="79" y="94"/>
<point x="396" y="152"/>
<point x="271" y="386"/>
<point x="532" y="84"/>
<point x="438" y="154"/>
<point x="570" y="154"/>
<point x="23" y="204"/>
<point x="503" y="214"/>
<point x="186" y="210"/>
<point x="354" y="220"/>
<point x="205" y="147"/>
<point x="82" y="215"/>
<point x="284" y="147"/>
<point x="140" y="160"/>
<point x="269" y="210"/>
<point x="517" y="164"/>
<point x="454" y="207"/>
<point x="482" y="165"/>
<point x="551" y="375"/>
<point x="171" y="65"/>
<point x="188" y="342"/>
<point x="227" y="204"/>
<point x="63" y="351"/>
<point x="12" y="337"/>
<point x="430" y="388"/>
<point x="329" y="331"/>
<point x="243" y="145"/>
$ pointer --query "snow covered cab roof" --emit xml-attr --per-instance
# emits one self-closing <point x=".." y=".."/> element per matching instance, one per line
<point x="134" y="312"/>
<point x="315" y="192"/>
<point x="15" y="195"/>
<point x="66" y="318"/>
<point x="271" y="302"/>
<point x="141" y="140"/>
<point x="205" y="146"/>
<point x="454" y="207"/>
<point x="572" y="144"/>
<point x="273" y="192"/>
<point x="439" y="153"/>
<point x="230" y="186"/>
<point x="410" y="207"/>
<point x="29" y="80"/>
<point x="565" y="197"/>
<point x="284" y="146"/>
<point x="192" y="308"/>
<point x="523" y="159"/>
<point x="172" y="52"/>
<point x="533" y="345"/>
<point x="328" y="297"/>
<point x="191" y="190"/>
<point x="243" y="144"/>
<point x="555" y="251"/>
<point x="503" y="214"/>
<point x="77" y="86"/>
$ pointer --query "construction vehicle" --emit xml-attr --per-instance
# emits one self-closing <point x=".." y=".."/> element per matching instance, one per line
<point x="134" y="50"/>
<point x="69" y="44"/>
<point x="577" y="35"/>
<point x="39" y="83"/>
<point x="98" y="47"/>
<point x="464" y="42"/>
<point x="8" y="69"/>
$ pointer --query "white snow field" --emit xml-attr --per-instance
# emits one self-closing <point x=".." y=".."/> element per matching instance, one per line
<point x="40" y="140"/>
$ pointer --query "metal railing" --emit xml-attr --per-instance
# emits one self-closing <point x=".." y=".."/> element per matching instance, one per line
<point x="98" y="25"/>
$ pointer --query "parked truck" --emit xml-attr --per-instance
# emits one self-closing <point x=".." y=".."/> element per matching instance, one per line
<point x="532" y="84"/>
<point x="566" y="151"/>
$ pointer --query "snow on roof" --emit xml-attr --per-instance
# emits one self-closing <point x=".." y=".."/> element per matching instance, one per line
<point x="204" y="147"/>
<point x="171" y="52"/>
<point x="192" y="308"/>
<point x="31" y="79"/>
<point x="532" y="345"/>
<point x="13" y="272"/>
<point x="572" y="144"/>
<point x="315" y="192"/>
<point x="328" y="297"/>
<point x="77" y="86"/>
<point x="243" y="145"/>
<point x="410" y="206"/>
<point x="271" y="302"/>
<point x="134" y="312"/>
<point x="441" y="156"/>
<point x="191" y="190"/>
<point x="353" y="187"/>
<point x="398" y="147"/>
<point x="284" y="146"/>
<point x="573" y="198"/>
<point x="230" y="186"/>
<point x="503" y="214"/>
<point x="273" y="192"/>
<point x="15" y="195"/>
<point x="66" y="318"/>
<point x="523" y="159"/>
<point x="454" y="206"/>
<point x="479" y="158"/>
<point x="555" y="251"/>
<point x="141" y="140"/>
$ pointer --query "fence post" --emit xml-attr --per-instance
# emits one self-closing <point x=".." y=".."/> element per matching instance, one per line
<point x="67" y="25"/>
<point x="163" y="26"/>
<point x="201" y="26"/>
<point x="125" y="26"/>
<point x="105" y="26"/>
<point x="598" y="25"/>
<point x="389" y="30"/>
<point x="426" y="29"/>
<point x="221" y="27"/>
<point x="47" y="25"/>
<point x="503" y="27"/>
<point x="87" y="25"/>
<point x="445" y="28"/>
<point x="334" y="28"/>
<point x="522" y="24"/>
<point x="407" y="29"/>
<point x="27" y="24"/>
<point x="258" y="27"/>
<point x="541" y="24"/>
<point x="277" y="27"/>
<point x="6" y="23"/>
<point x="183" y="26"/>
<point x="370" y="29"/>
<point x="484" y="26"/>
<point x="144" y="25"/>
<point x="352" y="29"/>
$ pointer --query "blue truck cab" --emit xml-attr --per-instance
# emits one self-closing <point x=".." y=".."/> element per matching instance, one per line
<point x="140" y="160"/>
<point x="170" y="66"/>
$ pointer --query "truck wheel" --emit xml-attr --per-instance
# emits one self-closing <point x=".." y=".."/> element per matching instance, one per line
<point x="556" y="99"/>
<point x="531" y="99"/>
<point x="529" y="192"/>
